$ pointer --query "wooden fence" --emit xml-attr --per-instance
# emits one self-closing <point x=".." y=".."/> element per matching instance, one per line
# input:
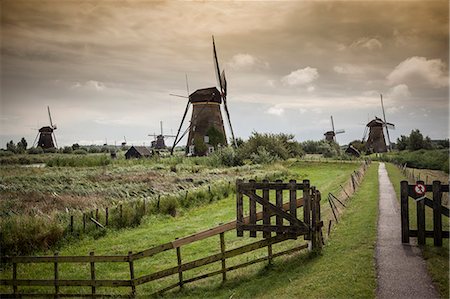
<point x="421" y="201"/>
<point x="132" y="282"/>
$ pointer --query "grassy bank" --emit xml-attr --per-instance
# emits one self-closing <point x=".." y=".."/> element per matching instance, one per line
<point x="352" y="250"/>
<point x="437" y="258"/>
<point x="424" y="159"/>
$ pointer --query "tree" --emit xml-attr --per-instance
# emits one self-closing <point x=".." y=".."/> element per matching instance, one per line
<point x="215" y="137"/>
<point x="416" y="141"/>
<point x="22" y="145"/>
<point x="10" y="146"/>
<point x="402" y="142"/>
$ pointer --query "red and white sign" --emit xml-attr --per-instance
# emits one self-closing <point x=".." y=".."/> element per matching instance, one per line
<point x="420" y="189"/>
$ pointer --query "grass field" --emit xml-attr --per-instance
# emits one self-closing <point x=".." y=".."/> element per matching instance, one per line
<point x="437" y="258"/>
<point x="158" y="229"/>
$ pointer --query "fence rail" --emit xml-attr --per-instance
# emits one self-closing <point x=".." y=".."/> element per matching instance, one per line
<point x="222" y="256"/>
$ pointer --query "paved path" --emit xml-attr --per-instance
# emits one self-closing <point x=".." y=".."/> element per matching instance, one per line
<point x="401" y="270"/>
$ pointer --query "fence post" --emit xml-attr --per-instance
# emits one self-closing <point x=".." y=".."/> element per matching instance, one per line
<point x="293" y="201"/>
<point x="306" y="206"/>
<point x="404" y="210"/>
<point x="421" y="220"/>
<point x="314" y="218"/>
<point x="15" y="291"/>
<point x="131" y="264"/>
<point x="96" y="214"/>
<point x="121" y="213"/>
<point x="71" y="223"/>
<point x="252" y="211"/>
<point x="84" y="222"/>
<point x="266" y="216"/>
<point x="279" y="204"/>
<point x="239" y="208"/>
<point x="106" y="216"/>
<point x="180" y="273"/>
<point x="437" y="213"/>
<point x="92" y="273"/>
<point x="222" y="250"/>
<point x="56" y="275"/>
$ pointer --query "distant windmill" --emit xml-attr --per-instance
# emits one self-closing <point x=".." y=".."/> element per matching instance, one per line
<point x="159" y="143"/>
<point x="375" y="141"/>
<point x="206" y="129"/>
<point x="331" y="135"/>
<point x="46" y="135"/>
<point x="124" y="142"/>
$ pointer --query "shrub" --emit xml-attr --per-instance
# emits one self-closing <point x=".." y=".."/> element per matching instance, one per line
<point x="4" y="153"/>
<point x="80" y="152"/>
<point x="35" y="150"/>
<point x="262" y="156"/>
<point x="67" y="150"/>
<point x="225" y="156"/>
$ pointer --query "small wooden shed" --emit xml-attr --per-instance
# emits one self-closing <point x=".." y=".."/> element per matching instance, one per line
<point x="138" y="152"/>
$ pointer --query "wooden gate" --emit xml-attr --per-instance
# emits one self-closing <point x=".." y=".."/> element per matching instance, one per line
<point x="286" y="222"/>
<point x="421" y="201"/>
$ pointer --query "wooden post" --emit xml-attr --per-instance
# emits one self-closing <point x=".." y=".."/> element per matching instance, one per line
<point x="71" y="223"/>
<point x="270" y="254"/>
<point x="319" y="218"/>
<point x="307" y="206"/>
<point x="222" y="250"/>
<point x="130" y="262"/>
<point x="92" y="272"/>
<point x="266" y="216"/>
<point x="121" y="213"/>
<point x="210" y="194"/>
<point x="56" y="275"/>
<point x="252" y="212"/>
<point x="421" y="221"/>
<point x="279" y="204"/>
<point x="239" y="209"/>
<point x="84" y="222"/>
<point x="96" y="215"/>
<point x="404" y="211"/>
<point x="180" y="273"/>
<point x="437" y="213"/>
<point x="106" y="216"/>
<point x="159" y="199"/>
<point x="293" y="201"/>
<point x="313" y="219"/>
<point x="15" y="291"/>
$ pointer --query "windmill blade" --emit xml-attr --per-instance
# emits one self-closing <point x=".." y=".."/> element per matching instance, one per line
<point x="332" y="123"/>
<point x="384" y="117"/>
<point x="390" y="126"/>
<point x="365" y="133"/>
<point x="223" y="81"/>
<point x="175" y="142"/>
<point x="35" y="140"/>
<point x="54" y="136"/>
<point x="180" y="96"/>
<point x="339" y="132"/>
<point x="187" y="85"/>
<point x="50" y="117"/>
<point x="216" y="66"/>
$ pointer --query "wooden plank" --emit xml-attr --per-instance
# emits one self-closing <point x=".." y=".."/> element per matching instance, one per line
<point x="14" y="278"/>
<point x="279" y="203"/>
<point x="269" y="254"/>
<point x="292" y="202"/>
<point x="46" y="295"/>
<point x="239" y="208"/>
<point x="222" y="250"/>
<point x="274" y="209"/>
<point x="66" y="259"/>
<point x="98" y="224"/>
<point x="180" y="272"/>
<point x="314" y="218"/>
<point x="210" y="259"/>
<point x="404" y="211"/>
<point x="131" y="266"/>
<point x="93" y="289"/>
<point x="437" y="213"/>
<point x="152" y="251"/>
<point x="420" y="222"/>
<point x="307" y="206"/>
<point x="274" y="228"/>
<point x="428" y="233"/>
<point x="67" y="282"/>
<point x="252" y="207"/>
<point x="272" y="186"/>
<point x="430" y="203"/>
<point x="266" y="215"/>
<point x="56" y="274"/>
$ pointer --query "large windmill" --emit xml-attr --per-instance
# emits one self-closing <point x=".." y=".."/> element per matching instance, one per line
<point x="375" y="141"/>
<point x="206" y="130"/>
<point x="159" y="143"/>
<point x="331" y="135"/>
<point x="46" y="135"/>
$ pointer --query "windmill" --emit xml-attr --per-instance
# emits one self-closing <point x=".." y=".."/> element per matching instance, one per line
<point x="158" y="143"/>
<point x="46" y="134"/>
<point x="206" y="130"/>
<point x="331" y="135"/>
<point x="375" y="141"/>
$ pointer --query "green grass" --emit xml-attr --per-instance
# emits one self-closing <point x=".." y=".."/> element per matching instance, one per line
<point x="437" y="258"/>
<point x="356" y="249"/>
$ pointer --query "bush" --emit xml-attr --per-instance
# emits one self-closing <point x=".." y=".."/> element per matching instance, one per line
<point x="80" y="152"/>
<point x="225" y="156"/>
<point x="262" y="156"/>
<point x="67" y="150"/>
<point x="4" y="153"/>
<point x="35" y="150"/>
<point x="51" y="150"/>
<point x="425" y="159"/>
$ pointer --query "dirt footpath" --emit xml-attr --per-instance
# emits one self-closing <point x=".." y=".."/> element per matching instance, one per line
<point x="401" y="269"/>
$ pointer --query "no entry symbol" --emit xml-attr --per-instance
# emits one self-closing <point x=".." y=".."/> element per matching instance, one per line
<point x="420" y="189"/>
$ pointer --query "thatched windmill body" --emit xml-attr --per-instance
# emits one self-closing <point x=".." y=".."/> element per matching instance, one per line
<point x="46" y="135"/>
<point x="375" y="141"/>
<point x="206" y="130"/>
<point x="331" y="135"/>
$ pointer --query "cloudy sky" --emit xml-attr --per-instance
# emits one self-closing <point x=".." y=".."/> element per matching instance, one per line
<point x="106" y="68"/>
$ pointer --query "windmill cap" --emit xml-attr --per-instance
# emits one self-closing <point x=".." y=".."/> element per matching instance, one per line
<point x="210" y="94"/>
<point x="46" y="129"/>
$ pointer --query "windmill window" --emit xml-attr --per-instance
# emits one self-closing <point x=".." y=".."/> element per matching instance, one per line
<point x="191" y="149"/>
<point x="210" y="149"/>
<point x="206" y="139"/>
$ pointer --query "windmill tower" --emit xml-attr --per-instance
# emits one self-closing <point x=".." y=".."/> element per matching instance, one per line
<point x="46" y="135"/>
<point x="206" y="130"/>
<point x="375" y="141"/>
<point x="159" y="143"/>
<point x="331" y="135"/>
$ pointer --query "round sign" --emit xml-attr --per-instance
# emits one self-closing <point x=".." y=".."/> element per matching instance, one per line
<point x="420" y="189"/>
